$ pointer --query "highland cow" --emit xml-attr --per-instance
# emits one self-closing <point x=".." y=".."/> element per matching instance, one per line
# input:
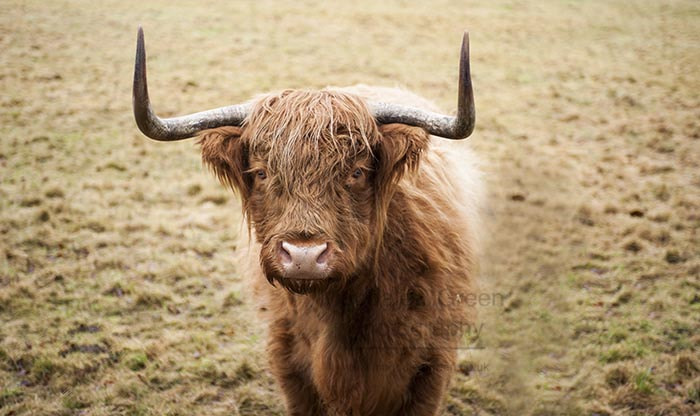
<point x="364" y="222"/>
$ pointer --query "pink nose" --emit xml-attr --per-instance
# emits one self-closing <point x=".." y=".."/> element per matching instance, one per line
<point x="304" y="261"/>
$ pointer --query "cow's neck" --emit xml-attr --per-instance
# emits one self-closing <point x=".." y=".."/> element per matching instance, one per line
<point x="347" y="311"/>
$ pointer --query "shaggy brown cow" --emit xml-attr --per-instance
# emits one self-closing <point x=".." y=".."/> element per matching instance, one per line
<point x="366" y="229"/>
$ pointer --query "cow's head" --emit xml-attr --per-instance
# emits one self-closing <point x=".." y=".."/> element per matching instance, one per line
<point x="315" y="169"/>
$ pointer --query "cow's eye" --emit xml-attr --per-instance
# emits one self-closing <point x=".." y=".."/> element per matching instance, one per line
<point x="261" y="174"/>
<point x="357" y="174"/>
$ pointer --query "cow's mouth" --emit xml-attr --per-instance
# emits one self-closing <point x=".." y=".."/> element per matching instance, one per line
<point x="304" y="286"/>
<point x="300" y="284"/>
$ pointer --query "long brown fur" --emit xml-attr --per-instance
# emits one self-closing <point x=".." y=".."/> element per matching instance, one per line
<point x="379" y="336"/>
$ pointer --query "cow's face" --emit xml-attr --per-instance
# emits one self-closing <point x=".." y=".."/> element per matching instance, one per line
<point x="315" y="174"/>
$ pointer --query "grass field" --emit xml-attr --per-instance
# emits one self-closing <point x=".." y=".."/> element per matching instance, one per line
<point x="117" y="290"/>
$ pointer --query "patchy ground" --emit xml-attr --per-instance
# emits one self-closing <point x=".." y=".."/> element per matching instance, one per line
<point x="117" y="293"/>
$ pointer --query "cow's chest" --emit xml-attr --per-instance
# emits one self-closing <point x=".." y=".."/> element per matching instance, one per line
<point x="366" y="370"/>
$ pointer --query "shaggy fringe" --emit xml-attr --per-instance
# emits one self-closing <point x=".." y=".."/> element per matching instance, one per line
<point x="310" y="127"/>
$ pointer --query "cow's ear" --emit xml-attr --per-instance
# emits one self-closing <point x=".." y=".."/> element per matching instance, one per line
<point x="399" y="151"/>
<point x="226" y="155"/>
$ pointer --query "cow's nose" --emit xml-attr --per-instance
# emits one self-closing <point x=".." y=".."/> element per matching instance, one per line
<point x="304" y="260"/>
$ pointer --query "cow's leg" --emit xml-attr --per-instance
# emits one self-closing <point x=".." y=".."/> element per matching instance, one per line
<point x="429" y="385"/>
<point x="300" y="394"/>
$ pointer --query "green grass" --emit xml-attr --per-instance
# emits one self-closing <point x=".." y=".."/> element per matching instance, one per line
<point x="117" y="290"/>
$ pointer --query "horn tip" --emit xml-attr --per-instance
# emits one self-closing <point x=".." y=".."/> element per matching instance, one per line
<point x="139" y="36"/>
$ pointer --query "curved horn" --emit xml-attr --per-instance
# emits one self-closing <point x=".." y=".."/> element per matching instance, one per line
<point x="459" y="127"/>
<point x="176" y="128"/>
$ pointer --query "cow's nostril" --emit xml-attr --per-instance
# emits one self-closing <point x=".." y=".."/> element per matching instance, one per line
<point x="323" y="257"/>
<point x="284" y="254"/>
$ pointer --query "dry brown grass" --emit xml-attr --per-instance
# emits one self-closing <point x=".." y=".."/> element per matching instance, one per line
<point x="117" y="293"/>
